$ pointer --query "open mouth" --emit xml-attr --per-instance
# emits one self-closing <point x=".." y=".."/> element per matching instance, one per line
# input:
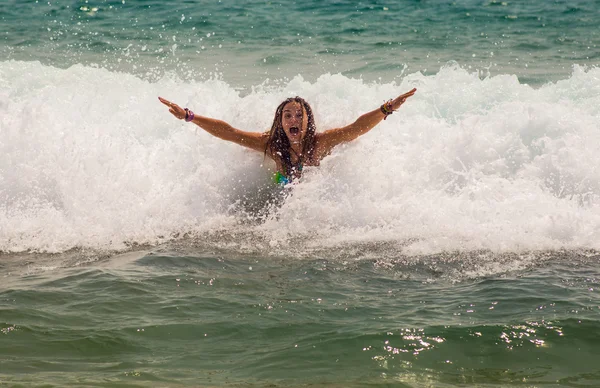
<point x="294" y="131"/>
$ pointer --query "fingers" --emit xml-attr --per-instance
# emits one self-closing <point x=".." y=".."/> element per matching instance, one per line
<point x="401" y="99"/>
<point x="404" y="96"/>
<point x="408" y="94"/>
<point x="177" y="112"/>
<point x="174" y="109"/>
<point x="166" y="102"/>
<point x="169" y="104"/>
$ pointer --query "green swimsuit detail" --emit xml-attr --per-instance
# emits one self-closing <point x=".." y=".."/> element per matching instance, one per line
<point x="280" y="179"/>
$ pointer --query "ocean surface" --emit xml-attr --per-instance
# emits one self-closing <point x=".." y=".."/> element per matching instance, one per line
<point x="456" y="244"/>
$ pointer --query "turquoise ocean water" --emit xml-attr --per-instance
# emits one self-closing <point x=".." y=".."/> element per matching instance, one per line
<point x="456" y="244"/>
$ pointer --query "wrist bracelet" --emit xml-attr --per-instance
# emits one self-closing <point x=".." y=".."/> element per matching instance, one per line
<point x="189" y="115"/>
<point x="386" y="109"/>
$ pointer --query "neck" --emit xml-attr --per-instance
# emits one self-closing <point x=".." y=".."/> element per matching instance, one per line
<point x="296" y="149"/>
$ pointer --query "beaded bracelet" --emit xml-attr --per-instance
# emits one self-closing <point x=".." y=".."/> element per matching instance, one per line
<point x="189" y="115"/>
<point x="386" y="109"/>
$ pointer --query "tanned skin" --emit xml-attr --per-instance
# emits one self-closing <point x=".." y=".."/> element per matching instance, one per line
<point x="294" y="124"/>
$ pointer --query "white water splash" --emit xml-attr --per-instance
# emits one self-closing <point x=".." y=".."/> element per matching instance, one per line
<point x="90" y="158"/>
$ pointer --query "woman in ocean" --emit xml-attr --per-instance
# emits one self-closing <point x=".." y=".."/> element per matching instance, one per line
<point x="293" y="141"/>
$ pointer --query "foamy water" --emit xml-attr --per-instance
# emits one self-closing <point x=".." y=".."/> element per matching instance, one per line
<point x="91" y="159"/>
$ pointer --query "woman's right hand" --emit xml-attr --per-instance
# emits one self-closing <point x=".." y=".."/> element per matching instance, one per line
<point x="175" y="109"/>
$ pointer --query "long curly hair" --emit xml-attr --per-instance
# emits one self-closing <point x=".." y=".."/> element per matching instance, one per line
<point x="279" y="144"/>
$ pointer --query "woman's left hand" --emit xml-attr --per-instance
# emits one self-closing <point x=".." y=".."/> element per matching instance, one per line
<point x="401" y="99"/>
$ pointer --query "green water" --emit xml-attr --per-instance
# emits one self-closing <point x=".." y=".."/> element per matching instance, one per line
<point x="196" y="317"/>
<point x="249" y="42"/>
<point x="498" y="150"/>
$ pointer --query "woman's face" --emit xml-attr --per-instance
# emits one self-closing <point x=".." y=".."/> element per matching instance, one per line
<point x="294" y="121"/>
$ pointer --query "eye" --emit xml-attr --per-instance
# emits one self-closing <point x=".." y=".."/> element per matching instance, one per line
<point x="287" y="115"/>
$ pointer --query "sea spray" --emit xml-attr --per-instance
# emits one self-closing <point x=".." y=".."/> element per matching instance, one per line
<point x="468" y="163"/>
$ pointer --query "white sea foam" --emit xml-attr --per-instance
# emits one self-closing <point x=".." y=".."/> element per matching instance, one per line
<point x="91" y="159"/>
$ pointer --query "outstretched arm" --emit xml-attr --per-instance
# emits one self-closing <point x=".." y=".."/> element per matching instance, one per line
<point x="222" y="130"/>
<point x="362" y="125"/>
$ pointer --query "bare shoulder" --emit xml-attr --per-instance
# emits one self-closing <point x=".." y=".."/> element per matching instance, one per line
<point x="262" y="140"/>
<point x="324" y="143"/>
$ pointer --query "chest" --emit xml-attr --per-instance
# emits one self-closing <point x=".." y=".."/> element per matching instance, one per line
<point x="298" y="161"/>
